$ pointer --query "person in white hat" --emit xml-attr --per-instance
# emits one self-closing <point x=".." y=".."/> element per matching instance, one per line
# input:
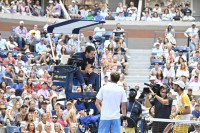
<point x="73" y="10"/>
<point x="49" y="8"/>
<point x="183" y="106"/>
<point x="131" y="16"/>
<point x="189" y="32"/>
<point x="20" y="32"/>
<point x="158" y="51"/>
<point x="188" y="17"/>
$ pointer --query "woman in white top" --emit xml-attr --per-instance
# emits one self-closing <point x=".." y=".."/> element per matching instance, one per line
<point x="119" y="8"/>
<point x="182" y="71"/>
<point x="41" y="124"/>
<point x="155" y="17"/>
<point x="166" y="16"/>
<point x="11" y="44"/>
<point x="195" y="39"/>
<point x="48" y="128"/>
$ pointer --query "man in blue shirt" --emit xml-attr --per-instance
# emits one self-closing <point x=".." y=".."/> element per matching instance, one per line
<point x="74" y="41"/>
<point x="196" y="112"/>
<point x="41" y="47"/>
<point x="86" y="67"/>
<point x="32" y="41"/>
<point x="98" y="34"/>
<point x="98" y="17"/>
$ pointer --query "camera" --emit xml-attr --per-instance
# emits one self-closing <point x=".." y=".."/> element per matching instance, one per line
<point x="155" y="87"/>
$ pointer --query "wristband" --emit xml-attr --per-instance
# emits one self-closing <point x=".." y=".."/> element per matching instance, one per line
<point x="124" y="117"/>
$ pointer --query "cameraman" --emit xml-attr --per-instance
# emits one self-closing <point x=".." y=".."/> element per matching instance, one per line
<point x="162" y="105"/>
<point x="86" y="67"/>
<point x="134" y="108"/>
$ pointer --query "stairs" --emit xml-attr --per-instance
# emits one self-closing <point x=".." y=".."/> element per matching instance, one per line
<point x="139" y="63"/>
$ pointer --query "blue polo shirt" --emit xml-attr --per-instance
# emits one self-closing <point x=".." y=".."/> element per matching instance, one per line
<point x="196" y="114"/>
<point x="162" y="111"/>
<point x="99" y="18"/>
<point x="86" y="61"/>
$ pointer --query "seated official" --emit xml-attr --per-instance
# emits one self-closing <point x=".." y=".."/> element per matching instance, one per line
<point x="86" y="67"/>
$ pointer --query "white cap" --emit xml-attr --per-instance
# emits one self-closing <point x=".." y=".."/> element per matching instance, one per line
<point x="170" y="24"/>
<point x="180" y="83"/>
<point x="27" y="51"/>
<point x="21" y="22"/>
<point x="73" y="1"/>
<point x="60" y="40"/>
<point x="51" y="1"/>
<point x="130" y="11"/>
<point x="152" y="78"/>
<point x="157" y="43"/>
<point x="12" y="96"/>
<point x="193" y="23"/>
<point x="19" y="55"/>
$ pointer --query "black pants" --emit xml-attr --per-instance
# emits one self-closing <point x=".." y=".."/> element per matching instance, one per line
<point x="158" y="127"/>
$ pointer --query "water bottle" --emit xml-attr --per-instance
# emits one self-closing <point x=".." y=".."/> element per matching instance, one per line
<point x="124" y="125"/>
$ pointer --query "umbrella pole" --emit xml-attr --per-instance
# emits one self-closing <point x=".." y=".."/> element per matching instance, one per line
<point x="52" y="48"/>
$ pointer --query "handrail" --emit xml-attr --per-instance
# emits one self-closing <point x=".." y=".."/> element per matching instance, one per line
<point x="126" y="34"/>
<point x="66" y="15"/>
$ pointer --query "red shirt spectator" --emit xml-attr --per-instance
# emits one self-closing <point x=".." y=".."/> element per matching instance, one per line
<point x="9" y="59"/>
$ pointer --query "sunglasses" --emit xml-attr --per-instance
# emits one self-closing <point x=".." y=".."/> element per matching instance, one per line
<point x="12" y="92"/>
<point x="2" y="92"/>
<point x="3" y="108"/>
<point x="27" y="99"/>
<point x="36" y="112"/>
<point x="132" y="92"/>
<point x="54" y="117"/>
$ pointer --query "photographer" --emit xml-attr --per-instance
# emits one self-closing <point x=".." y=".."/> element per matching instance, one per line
<point x="162" y="105"/>
<point x="86" y="67"/>
<point x="134" y="108"/>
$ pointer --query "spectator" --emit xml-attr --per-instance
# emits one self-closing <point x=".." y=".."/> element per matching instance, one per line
<point x="73" y="10"/>
<point x="96" y="9"/>
<point x="119" y="8"/>
<point x="168" y="72"/>
<point x="172" y="13"/>
<point x="159" y="77"/>
<point x="195" y="84"/>
<point x="103" y="12"/>
<point x="49" y="9"/>
<point x="146" y="17"/>
<point x="154" y="70"/>
<point x="43" y="91"/>
<point x="118" y="32"/>
<point x="182" y="71"/>
<point x="98" y="17"/>
<point x="28" y="86"/>
<point x="4" y="116"/>
<point x="8" y="76"/>
<point x="125" y="11"/>
<point x="3" y="45"/>
<point x="166" y="16"/>
<point x="132" y="7"/>
<point x="188" y="17"/>
<point x="170" y="34"/>
<point x="195" y="39"/>
<point x="41" y="46"/>
<point x="155" y="17"/>
<point x="15" y="110"/>
<point x="99" y="33"/>
<point x="177" y="17"/>
<point x="31" y="128"/>
<point x="12" y="45"/>
<point x="184" y="11"/>
<point x="21" y="32"/>
<point x="157" y="51"/>
<point x="58" y="128"/>
<point x="27" y="120"/>
<point x="89" y="16"/>
<point x="131" y="16"/>
<point x="21" y="115"/>
<point x="180" y="55"/>
<point x="41" y="124"/>
<point x="109" y="17"/>
<point x="120" y="17"/>
<point x="38" y="7"/>
<point x="189" y="32"/>
<point x="157" y="9"/>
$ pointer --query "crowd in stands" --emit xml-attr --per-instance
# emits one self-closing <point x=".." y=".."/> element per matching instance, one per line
<point x="170" y="12"/>
<point x="170" y="62"/>
<point x="28" y="95"/>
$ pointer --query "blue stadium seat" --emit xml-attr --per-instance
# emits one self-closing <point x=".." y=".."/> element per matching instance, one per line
<point x="24" y="58"/>
<point x="4" y="54"/>
<point x="14" y="54"/>
<point x="183" y="48"/>
<point x="12" y="129"/>
<point x="114" y="14"/>
<point x="53" y="112"/>
<point x="108" y="34"/>
<point x="154" y="54"/>
<point x="159" y="61"/>
<point x="66" y="129"/>
<point x="13" y="30"/>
